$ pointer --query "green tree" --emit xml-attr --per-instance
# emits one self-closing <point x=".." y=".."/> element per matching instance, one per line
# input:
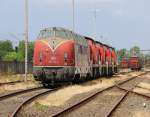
<point x="30" y="51"/>
<point x="21" y="51"/>
<point x="121" y="54"/>
<point x="5" y="47"/>
<point x="10" y="56"/>
<point x="135" y="50"/>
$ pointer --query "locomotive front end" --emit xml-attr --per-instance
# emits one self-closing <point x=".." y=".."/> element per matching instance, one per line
<point x="54" y="56"/>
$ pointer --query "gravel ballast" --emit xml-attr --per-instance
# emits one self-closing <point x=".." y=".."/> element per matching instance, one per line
<point x="7" y="106"/>
<point x="133" y="106"/>
<point x="51" y="104"/>
<point x="99" y="106"/>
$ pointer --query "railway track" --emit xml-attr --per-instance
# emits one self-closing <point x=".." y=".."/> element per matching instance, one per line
<point x="124" y="72"/>
<point x="28" y="96"/>
<point x="10" y="101"/>
<point x="11" y="104"/>
<point x="15" y="93"/>
<point x="18" y="109"/>
<point x="127" y="92"/>
<point x="119" y="87"/>
<point x="12" y="83"/>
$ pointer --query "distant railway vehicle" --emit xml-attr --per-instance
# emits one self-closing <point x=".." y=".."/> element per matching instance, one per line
<point x="135" y="63"/>
<point x="148" y="62"/>
<point x="125" y="63"/>
<point x="61" y="56"/>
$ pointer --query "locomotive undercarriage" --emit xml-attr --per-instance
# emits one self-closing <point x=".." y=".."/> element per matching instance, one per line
<point x="59" y="75"/>
<point x="53" y="75"/>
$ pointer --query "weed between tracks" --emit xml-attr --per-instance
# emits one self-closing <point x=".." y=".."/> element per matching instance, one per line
<point x="39" y="106"/>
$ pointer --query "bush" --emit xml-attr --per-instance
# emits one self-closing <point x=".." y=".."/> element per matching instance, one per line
<point x="10" y="56"/>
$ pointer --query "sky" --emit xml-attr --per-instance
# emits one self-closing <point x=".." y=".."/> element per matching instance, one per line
<point x="120" y="23"/>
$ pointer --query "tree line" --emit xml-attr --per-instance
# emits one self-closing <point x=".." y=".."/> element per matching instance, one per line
<point x="124" y="53"/>
<point x="10" y="53"/>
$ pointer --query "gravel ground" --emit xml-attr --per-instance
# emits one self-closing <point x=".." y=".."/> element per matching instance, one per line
<point x="14" y="77"/>
<point x="18" y="86"/>
<point x="105" y="99"/>
<point x="8" y="105"/>
<point x="99" y="106"/>
<point x="142" y="91"/>
<point x="133" y="106"/>
<point x="50" y="104"/>
<point x="143" y="88"/>
<point x="132" y="83"/>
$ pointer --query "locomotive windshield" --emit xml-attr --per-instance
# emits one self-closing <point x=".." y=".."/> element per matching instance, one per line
<point x="55" y="32"/>
<point x="46" y="34"/>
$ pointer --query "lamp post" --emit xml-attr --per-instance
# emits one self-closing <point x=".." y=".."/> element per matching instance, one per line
<point x="95" y="20"/>
<point x="73" y="16"/>
<point x="26" y="40"/>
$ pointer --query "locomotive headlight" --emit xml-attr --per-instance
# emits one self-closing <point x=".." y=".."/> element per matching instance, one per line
<point x="65" y="56"/>
<point x="40" y="56"/>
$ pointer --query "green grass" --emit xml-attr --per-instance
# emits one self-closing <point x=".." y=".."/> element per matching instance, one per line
<point x="39" y="106"/>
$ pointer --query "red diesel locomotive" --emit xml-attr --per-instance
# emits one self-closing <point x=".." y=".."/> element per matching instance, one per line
<point x="61" y="55"/>
<point x="125" y="63"/>
<point x="135" y="63"/>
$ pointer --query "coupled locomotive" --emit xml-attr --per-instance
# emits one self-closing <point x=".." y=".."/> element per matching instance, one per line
<point x="133" y="63"/>
<point x="61" y="56"/>
<point x="125" y="63"/>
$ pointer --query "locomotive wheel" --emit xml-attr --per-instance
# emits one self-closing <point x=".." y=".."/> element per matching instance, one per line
<point x="76" y="78"/>
<point x="88" y="77"/>
<point x="45" y="85"/>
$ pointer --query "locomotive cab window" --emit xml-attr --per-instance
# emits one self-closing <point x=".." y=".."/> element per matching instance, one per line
<point x="60" y="33"/>
<point x="67" y="34"/>
<point x="46" y="34"/>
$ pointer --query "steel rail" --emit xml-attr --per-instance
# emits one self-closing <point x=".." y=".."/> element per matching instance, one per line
<point x="132" y="78"/>
<point x="18" y="109"/>
<point x="131" y="91"/>
<point x="143" y="88"/>
<point x="14" y="82"/>
<point x="9" y="95"/>
<point x="122" y="98"/>
<point x="117" y="104"/>
<point x="87" y="99"/>
<point x="124" y="72"/>
<point x="7" y="83"/>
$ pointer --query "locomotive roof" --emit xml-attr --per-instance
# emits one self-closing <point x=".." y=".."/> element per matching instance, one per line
<point x="99" y="42"/>
<point x="66" y="30"/>
<point x="62" y="29"/>
<point x="89" y="38"/>
<point x="57" y="28"/>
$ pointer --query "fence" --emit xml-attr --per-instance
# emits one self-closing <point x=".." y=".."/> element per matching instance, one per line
<point x="14" y="67"/>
